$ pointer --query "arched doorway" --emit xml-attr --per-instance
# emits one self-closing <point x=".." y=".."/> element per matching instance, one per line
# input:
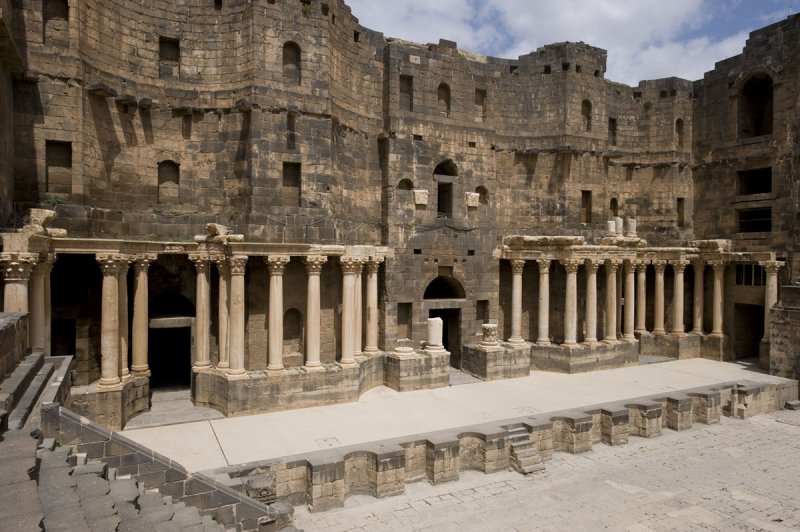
<point x="170" y="341"/>
<point x="444" y="297"/>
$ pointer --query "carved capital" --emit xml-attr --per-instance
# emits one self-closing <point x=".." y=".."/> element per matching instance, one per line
<point x="111" y="264"/>
<point x="718" y="265"/>
<point x="641" y="265"/>
<point x="612" y="265"/>
<point x="571" y="265"/>
<point x="351" y="265"/>
<point x="45" y="265"/>
<point x="223" y="267"/>
<point x="544" y="265"/>
<point x="517" y="266"/>
<point x="314" y="263"/>
<point x="18" y="266"/>
<point x="373" y="264"/>
<point x="591" y="266"/>
<point x="141" y="263"/>
<point x="679" y="265"/>
<point x="201" y="261"/>
<point x="238" y="264"/>
<point x="276" y="263"/>
<point x="660" y="265"/>
<point x="771" y="266"/>
<point x="698" y="264"/>
<point x="630" y="265"/>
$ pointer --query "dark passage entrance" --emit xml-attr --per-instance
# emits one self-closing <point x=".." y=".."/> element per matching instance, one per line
<point x="451" y="333"/>
<point x="170" y="357"/>
<point x="748" y="327"/>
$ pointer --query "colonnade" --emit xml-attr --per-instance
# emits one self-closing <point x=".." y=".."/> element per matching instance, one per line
<point x="634" y="281"/>
<point x="231" y="319"/>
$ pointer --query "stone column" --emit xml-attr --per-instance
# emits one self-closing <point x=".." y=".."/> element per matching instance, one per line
<point x="236" y="325"/>
<point x="358" y="322"/>
<point x="641" y="297"/>
<point x="48" y="310"/>
<point x="202" y="326"/>
<point x="223" y="307"/>
<point x="277" y="265"/>
<point x="314" y="266"/>
<point x="517" y="266"/>
<point x="612" y="266"/>
<point x="544" y="302"/>
<point x="373" y="265"/>
<point x="571" y="302"/>
<point x="719" y="278"/>
<point x="770" y="292"/>
<point x="658" y="299"/>
<point x="17" y="268"/>
<point x="630" y="298"/>
<point x="122" y="308"/>
<point x="141" y="316"/>
<point x="350" y="267"/>
<point x="678" y="267"/>
<point x="37" y="305"/>
<point x="591" y="301"/>
<point x="697" y="308"/>
<point x="109" y="323"/>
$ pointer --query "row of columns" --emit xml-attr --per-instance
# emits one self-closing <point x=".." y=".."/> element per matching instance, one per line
<point x="635" y="282"/>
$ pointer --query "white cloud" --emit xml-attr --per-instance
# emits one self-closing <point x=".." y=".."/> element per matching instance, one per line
<point x="643" y="37"/>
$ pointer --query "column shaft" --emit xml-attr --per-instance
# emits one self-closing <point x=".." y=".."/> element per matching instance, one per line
<point x="517" y="267"/>
<point x="223" y="305"/>
<point x="109" y="324"/>
<point x="544" y="302"/>
<point x="314" y="267"/>
<point x="630" y="298"/>
<point x="719" y="277"/>
<point x="770" y="293"/>
<point x="697" y="308"/>
<point x="37" y="304"/>
<point x="373" y="266"/>
<point x="122" y="293"/>
<point x="591" y="301"/>
<point x="658" y="299"/>
<point x="571" y="302"/>
<point x="141" y="317"/>
<point x="349" y="267"/>
<point x="276" y="264"/>
<point x="358" y="325"/>
<point x="611" y="299"/>
<point x="202" y="326"/>
<point x="17" y="268"/>
<point x="641" y="298"/>
<point x="236" y="325"/>
<point x="678" y="268"/>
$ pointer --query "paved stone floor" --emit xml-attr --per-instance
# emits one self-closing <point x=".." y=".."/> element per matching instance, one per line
<point x="736" y="475"/>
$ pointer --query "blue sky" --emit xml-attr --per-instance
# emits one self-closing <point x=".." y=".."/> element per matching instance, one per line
<point x="645" y="39"/>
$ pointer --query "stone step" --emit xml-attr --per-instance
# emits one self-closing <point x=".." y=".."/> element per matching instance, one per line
<point x="533" y="468"/>
<point x="522" y="445"/>
<point x="28" y="401"/>
<point x="525" y="453"/>
<point x="14" y="386"/>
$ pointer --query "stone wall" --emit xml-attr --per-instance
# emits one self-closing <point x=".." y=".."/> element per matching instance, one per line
<point x="115" y="408"/>
<point x="13" y="341"/>
<point x="784" y="338"/>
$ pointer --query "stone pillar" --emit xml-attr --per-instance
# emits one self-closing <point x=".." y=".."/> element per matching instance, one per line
<point x="48" y="309"/>
<point x="122" y="308"/>
<point x="109" y="323"/>
<point x="719" y="278"/>
<point x="591" y="301"/>
<point x="223" y="308"/>
<point x="17" y="268"/>
<point x="612" y="266"/>
<point x="236" y="325"/>
<point x="571" y="302"/>
<point x="544" y="302"/>
<point x="658" y="300"/>
<point x="277" y="265"/>
<point x="678" y="267"/>
<point x="517" y="266"/>
<point x="435" y="334"/>
<point x="770" y="292"/>
<point x="350" y="267"/>
<point x="641" y="297"/>
<point x="314" y="266"/>
<point x="630" y="298"/>
<point x="697" y="307"/>
<point x="373" y="265"/>
<point x="141" y="316"/>
<point x="202" y="325"/>
<point x="358" y="322"/>
<point x="37" y="305"/>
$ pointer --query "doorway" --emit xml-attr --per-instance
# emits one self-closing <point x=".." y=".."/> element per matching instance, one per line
<point x="748" y="330"/>
<point x="451" y="332"/>
<point x="170" y="357"/>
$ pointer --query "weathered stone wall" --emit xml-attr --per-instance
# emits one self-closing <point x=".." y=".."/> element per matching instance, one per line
<point x="13" y="341"/>
<point x="784" y="355"/>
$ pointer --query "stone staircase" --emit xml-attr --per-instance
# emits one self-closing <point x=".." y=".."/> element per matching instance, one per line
<point x="524" y="455"/>
<point x="20" y="390"/>
<point x="77" y="496"/>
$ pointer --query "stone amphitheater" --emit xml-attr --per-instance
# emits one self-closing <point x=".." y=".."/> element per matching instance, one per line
<point x="268" y="205"/>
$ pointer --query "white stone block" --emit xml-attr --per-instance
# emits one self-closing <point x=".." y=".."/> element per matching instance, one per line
<point x="420" y="197"/>
<point x="473" y="199"/>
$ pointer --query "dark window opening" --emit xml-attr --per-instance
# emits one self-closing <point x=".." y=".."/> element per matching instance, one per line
<point x="755" y="220"/>
<point x="565" y="67"/>
<point x="325" y="10"/>
<point x="217" y="4"/>
<point x="291" y="62"/>
<point x="662" y="94"/>
<point x="750" y="275"/>
<point x="444" y="287"/>
<point x="597" y="73"/>
<point x="547" y="69"/>
<point x="291" y="131"/>
<point x="290" y="189"/>
<point x="629" y="173"/>
<point x="679" y="132"/>
<point x="444" y="198"/>
<point x="513" y="69"/>
<point x="405" y="184"/>
<point x="472" y="144"/>
<point x="356" y="36"/>
<point x="578" y="69"/>
<point x="755" y="107"/>
<point x="483" y="195"/>
<point x="586" y="206"/>
<point x="404" y="320"/>
<point x="292" y="331"/>
<point x="681" y="212"/>
<point x="406" y="93"/>
<point x="58" y="166"/>
<point x="169" y="178"/>
<point x="480" y="105"/>
<point x="482" y="310"/>
<point x="417" y="137"/>
<point x="586" y="114"/>
<point x="757" y="181"/>
<point x="417" y="252"/>
<point x="614" y="207"/>
<point x="470" y="252"/>
<point x="612" y="131"/>
<point x="443" y="95"/>
<point x="169" y="55"/>
<point x="55" y="10"/>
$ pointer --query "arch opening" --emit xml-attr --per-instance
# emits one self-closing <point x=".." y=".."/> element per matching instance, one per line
<point x="443" y="94"/>
<point x="755" y="107"/>
<point x="444" y="287"/>
<point x="169" y="178"/>
<point x="291" y="62"/>
<point x="586" y="115"/>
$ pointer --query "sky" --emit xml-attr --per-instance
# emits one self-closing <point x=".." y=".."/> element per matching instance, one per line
<point x="645" y="39"/>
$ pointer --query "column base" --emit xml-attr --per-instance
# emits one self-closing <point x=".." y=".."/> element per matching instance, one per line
<point x="678" y="334"/>
<point x="543" y="343"/>
<point x="661" y="332"/>
<point x="519" y="340"/>
<point x="223" y="366"/>
<point x="347" y="364"/>
<point x="236" y="375"/>
<point x="201" y="368"/>
<point x="319" y="368"/>
<point x="697" y="332"/>
<point x="275" y="371"/>
<point x="109" y="387"/>
<point x="371" y="350"/>
<point x="140" y="371"/>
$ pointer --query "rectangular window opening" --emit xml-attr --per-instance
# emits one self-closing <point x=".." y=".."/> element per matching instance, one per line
<point x="169" y="56"/>
<point x="756" y="181"/>
<point x="480" y="104"/>
<point x="482" y="310"/>
<point x="755" y="220"/>
<point x="681" y="208"/>
<point x="406" y="93"/>
<point x="404" y="320"/>
<point x="612" y="131"/>
<point x="444" y="195"/>
<point x="290" y="189"/>
<point x="58" y="166"/>
<point x="586" y="206"/>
